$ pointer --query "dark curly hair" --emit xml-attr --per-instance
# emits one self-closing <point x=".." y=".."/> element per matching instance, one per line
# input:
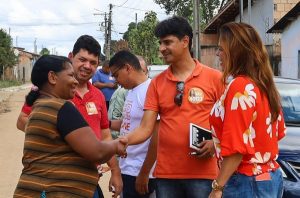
<point x="176" y="26"/>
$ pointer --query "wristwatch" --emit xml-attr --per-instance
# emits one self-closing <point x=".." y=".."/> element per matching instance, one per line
<point x="216" y="187"/>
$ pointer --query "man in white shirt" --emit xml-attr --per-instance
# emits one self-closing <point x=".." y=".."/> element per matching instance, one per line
<point x="126" y="69"/>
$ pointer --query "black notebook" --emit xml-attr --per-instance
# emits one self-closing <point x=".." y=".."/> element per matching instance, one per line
<point x="197" y="135"/>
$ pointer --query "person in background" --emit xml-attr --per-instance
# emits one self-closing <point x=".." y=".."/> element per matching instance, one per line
<point x="127" y="70"/>
<point x="117" y="100"/>
<point x="103" y="80"/>
<point x="90" y="102"/>
<point x="24" y="114"/>
<point x="247" y="121"/>
<point x="179" y="174"/>
<point x="60" y="149"/>
<point x="115" y="109"/>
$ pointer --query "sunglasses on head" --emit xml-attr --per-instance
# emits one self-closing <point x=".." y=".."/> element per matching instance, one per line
<point x="179" y="95"/>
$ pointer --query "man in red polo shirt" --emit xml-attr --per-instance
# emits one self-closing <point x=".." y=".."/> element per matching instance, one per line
<point x="89" y="101"/>
<point x="182" y="95"/>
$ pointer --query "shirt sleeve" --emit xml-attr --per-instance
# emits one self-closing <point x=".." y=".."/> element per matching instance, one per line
<point x="69" y="119"/>
<point x="117" y="106"/>
<point x="151" y="101"/>
<point x="95" y="78"/>
<point x="104" y="124"/>
<point x="239" y="107"/>
<point x="281" y="126"/>
<point x="26" y="109"/>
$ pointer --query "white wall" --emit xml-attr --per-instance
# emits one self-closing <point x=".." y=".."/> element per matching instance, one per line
<point x="262" y="18"/>
<point x="290" y="45"/>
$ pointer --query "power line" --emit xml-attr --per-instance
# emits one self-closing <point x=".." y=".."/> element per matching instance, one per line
<point x="138" y="9"/>
<point x="49" y="24"/>
<point x="121" y="4"/>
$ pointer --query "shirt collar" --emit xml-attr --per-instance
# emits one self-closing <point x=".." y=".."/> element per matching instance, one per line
<point x="197" y="70"/>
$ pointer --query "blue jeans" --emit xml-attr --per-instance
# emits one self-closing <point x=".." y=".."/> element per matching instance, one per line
<point x="129" y="187"/>
<point x="183" y="188"/>
<point x="240" y="185"/>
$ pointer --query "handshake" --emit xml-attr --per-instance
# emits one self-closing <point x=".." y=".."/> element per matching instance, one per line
<point x="121" y="144"/>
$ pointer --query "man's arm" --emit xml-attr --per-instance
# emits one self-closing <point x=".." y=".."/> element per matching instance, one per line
<point x="116" y="125"/>
<point x="145" y="130"/>
<point x="142" y="180"/>
<point x="116" y="179"/>
<point x="22" y="120"/>
<point x="101" y="85"/>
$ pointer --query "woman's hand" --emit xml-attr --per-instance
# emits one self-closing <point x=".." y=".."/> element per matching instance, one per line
<point x="121" y="146"/>
<point x="215" y="194"/>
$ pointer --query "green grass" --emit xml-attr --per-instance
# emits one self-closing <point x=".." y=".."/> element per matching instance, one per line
<point x="8" y="83"/>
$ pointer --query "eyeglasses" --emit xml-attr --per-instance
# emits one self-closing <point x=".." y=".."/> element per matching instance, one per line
<point x="115" y="74"/>
<point x="179" y="96"/>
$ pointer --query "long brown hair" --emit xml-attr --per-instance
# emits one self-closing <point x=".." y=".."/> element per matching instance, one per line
<point x="247" y="55"/>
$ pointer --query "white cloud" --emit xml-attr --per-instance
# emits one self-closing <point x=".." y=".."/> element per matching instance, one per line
<point x="57" y="24"/>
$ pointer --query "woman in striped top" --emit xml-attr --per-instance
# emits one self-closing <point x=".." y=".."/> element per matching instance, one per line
<point x="60" y="149"/>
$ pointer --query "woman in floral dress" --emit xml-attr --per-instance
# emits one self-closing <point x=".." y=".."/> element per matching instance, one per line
<point x="247" y="121"/>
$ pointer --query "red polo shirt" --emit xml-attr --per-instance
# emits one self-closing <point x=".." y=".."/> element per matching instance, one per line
<point x="96" y="118"/>
<point x="26" y="109"/>
<point x="92" y="107"/>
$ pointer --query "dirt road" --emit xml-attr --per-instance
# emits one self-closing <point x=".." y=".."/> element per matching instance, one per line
<point x="11" y="146"/>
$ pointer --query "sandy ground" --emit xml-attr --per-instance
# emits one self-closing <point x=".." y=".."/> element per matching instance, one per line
<point x="11" y="146"/>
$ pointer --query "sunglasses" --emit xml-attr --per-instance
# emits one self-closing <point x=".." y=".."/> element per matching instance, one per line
<point x="179" y="95"/>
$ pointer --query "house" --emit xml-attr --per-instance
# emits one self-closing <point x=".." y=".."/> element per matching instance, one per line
<point x="289" y="27"/>
<point x="22" y="70"/>
<point x="261" y="14"/>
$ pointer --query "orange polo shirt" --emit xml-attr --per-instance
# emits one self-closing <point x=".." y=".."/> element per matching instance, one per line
<point x="201" y="90"/>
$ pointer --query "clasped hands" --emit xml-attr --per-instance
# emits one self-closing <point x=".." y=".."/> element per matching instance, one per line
<point x="122" y="145"/>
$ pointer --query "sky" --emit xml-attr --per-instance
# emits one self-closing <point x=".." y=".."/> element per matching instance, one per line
<point x="56" y="24"/>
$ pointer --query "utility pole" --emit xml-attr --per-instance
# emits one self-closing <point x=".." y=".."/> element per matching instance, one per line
<point x="34" y="46"/>
<point x="135" y="20"/>
<point x="105" y="36"/>
<point x="104" y="25"/>
<point x="196" y="31"/>
<point x="109" y="32"/>
<point x="249" y="11"/>
<point x="241" y="10"/>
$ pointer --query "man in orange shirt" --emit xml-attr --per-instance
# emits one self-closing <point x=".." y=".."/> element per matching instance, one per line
<point x="182" y="94"/>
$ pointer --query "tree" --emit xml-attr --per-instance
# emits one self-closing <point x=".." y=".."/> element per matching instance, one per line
<point x="142" y="40"/>
<point x="185" y="8"/>
<point x="7" y="55"/>
<point x="44" y="51"/>
<point x="131" y="26"/>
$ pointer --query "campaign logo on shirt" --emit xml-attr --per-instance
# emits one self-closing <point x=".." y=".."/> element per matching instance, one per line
<point x="91" y="108"/>
<point x="196" y="95"/>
